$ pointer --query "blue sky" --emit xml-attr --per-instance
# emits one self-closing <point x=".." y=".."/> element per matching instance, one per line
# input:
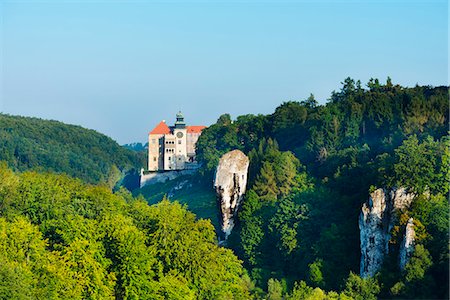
<point x="120" y="67"/>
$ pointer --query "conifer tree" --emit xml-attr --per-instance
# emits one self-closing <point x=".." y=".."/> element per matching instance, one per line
<point x="265" y="184"/>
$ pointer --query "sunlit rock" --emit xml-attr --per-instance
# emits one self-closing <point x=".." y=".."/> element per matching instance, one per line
<point x="375" y="223"/>
<point x="230" y="184"/>
<point x="407" y="245"/>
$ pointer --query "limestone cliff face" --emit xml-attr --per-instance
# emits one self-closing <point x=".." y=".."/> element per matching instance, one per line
<point x="375" y="223"/>
<point x="230" y="184"/>
<point x="407" y="246"/>
<point x="401" y="198"/>
<point x="373" y="227"/>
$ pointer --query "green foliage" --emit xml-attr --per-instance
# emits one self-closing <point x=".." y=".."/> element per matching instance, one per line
<point x="274" y="290"/>
<point x="301" y="291"/>
<point x="284" y="224"/>
<point x="420" y="261"/>
<point x="31" y="143"/>
<point x="315" y="273"/>
<point x="265" y="184"/>
<point x="191" y="190"/>
<point x="269" y="217"/>
<point x="280" y="172"/>
<point x="416" y="281"/>
<point x="28" y="270"/>
<point x="252" y="233"/>
<point x="359" y="288"/>
<point x="209" y="149"/>
<point x="298" y="222"/>
<point x="62" y="239"/>
<point x="424" y="166"/>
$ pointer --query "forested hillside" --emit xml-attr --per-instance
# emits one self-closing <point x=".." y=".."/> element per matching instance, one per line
<point x="311" y="169"/>
<point x="63" y="239"/>
<point x="32" y="143"/>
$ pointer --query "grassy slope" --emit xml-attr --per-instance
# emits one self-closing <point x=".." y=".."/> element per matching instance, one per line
<point x="199" y="197"/>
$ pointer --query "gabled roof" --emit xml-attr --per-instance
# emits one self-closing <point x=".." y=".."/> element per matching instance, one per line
<point x="161" y="128"/>
<point x="195" y="129"/>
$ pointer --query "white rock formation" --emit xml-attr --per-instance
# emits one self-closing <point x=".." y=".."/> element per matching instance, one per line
<point x="407" y="246"/>
<point x="230" y="183"/>
<point x="375" y="223"/>
<point x="401" y="199"/>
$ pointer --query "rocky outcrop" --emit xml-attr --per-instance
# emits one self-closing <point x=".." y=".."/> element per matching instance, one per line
<point x="401" y="198"/>
<point x="375" y="223"/>
<point x="407" y="245"/>
<point x="161" y="177"/>
<point x="230" y="183"/>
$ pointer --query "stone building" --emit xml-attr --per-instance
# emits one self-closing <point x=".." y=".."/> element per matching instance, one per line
<point x="172" y="147"/>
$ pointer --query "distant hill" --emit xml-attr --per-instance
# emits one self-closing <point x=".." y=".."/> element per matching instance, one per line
<point x="138" y="147"/>
<point x="32" y="143"/>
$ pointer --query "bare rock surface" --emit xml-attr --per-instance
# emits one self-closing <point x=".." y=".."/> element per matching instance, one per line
<point x="230" y="184"/>
<point x="375" y="223"/>
<point x="407" y="246"/>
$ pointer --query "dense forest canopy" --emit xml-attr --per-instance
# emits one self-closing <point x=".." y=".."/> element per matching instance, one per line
<point x="32" y="143"/>
<point x="311" y="168"/>
<point x="63" y="239"/>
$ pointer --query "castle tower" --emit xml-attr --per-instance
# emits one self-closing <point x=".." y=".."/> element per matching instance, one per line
<point x="180" y="134"/>
<point x="179" y="123"/>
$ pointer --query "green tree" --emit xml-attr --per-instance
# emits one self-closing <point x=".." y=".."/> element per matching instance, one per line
<point x="423" y="165"/>
<point x="265" y="184"/>
<point x="359" y="288"/>
<point x="274" y="290"/>
<point x="315" y="275"/>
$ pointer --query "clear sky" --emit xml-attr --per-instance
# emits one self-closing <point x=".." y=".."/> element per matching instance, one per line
<point x="120" y="67"/>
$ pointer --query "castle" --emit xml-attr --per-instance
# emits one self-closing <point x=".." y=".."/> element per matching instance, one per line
<point x="172" y="148"/>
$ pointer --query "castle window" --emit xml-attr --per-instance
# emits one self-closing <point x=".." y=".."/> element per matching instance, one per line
<point x="153" y="141"/>
<point x="169" y="157"/>
<point x="179" y="142"/>
<point x="154" y="158"/>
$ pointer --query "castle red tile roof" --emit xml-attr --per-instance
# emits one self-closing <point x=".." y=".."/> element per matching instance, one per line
<point x="161" y="128"/>
<point x="195" y="129"/>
